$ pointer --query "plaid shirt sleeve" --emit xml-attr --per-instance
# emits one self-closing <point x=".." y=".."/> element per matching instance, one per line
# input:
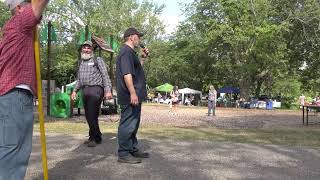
<point x="105" y="77"/>
<point x="77" y="86"/>
<point x="1" y="46"/>
<point x="29" y="20"/>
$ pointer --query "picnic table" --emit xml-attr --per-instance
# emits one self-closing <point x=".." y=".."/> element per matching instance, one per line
<point x="307" y="107"/>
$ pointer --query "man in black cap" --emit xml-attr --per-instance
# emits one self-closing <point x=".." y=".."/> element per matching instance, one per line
<point x="93" y="78"/>
<point x="131" y="90"/>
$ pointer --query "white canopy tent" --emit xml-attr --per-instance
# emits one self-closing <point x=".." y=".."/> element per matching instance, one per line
<point x="64" y="88"/>
<point x="185" y="91"/>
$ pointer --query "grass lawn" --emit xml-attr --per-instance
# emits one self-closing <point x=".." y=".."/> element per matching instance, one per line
<point x="278" y="136"/>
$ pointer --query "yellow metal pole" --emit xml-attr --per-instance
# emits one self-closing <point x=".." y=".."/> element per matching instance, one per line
<point x="40" y="109"/>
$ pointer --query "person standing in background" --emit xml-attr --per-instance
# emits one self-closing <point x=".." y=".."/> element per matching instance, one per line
<point x="212" y="98"/>
<point x="302" y="100"/>
<point x="174" y="100"/>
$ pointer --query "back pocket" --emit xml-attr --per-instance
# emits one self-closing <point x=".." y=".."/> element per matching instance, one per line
<point x="8" y="131"/>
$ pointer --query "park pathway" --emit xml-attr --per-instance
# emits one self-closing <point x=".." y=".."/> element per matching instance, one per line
<point x="69" y="159"/>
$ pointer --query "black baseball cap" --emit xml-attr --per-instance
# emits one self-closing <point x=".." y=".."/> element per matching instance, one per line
<point x="132" y="31"/>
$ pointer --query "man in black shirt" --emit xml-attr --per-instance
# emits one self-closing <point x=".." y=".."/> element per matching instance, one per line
<point x="131" y="91"/>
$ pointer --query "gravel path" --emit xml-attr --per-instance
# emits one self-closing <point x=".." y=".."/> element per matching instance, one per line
<point x="69" y="159"/>
<point x="225" y="118"/>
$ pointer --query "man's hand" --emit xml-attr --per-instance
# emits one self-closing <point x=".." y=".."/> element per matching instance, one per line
<point x="38" y="7"/>
<point x="108" y="95"/>
<point x="133" y="95"/>
<point x="144" y="55"/>
<point x="134" y="99"/>
<point x="144" y="52"/>
<point x="74" y="96"/>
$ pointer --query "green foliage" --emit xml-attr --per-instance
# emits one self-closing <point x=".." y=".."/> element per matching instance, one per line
<point x="250" y="44"/>
<point x="5" y="15"/>
<point x="104" y="18"/>
<point x="259" y="46"/>
<point x="288" y="88"/>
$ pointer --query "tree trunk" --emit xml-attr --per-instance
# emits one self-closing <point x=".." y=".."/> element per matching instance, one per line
<point x="258" y="88"/>
<point x="244" y="88"/>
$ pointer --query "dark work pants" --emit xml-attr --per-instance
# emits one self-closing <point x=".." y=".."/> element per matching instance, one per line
<point x="128" y="128"/>
<point x="92" y="97"/>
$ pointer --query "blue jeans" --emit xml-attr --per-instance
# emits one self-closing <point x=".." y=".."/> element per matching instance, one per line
<point x="16" y="127"/>
<point x="211" y="107"/>
<point x="128" y="128"/>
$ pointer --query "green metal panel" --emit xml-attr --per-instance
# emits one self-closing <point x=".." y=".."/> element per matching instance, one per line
<point x="79" y="101"/>
<point x="60" y="105"/>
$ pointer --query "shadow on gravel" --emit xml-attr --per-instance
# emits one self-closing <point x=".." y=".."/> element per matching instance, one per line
<point x="74" y="161"/>
<point x="70" y="159"/>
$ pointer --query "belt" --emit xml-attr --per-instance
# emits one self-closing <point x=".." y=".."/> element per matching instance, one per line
<point x="85" y="86"/>
<point x="22" y="90"/>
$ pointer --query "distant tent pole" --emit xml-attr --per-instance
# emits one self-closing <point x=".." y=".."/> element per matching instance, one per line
<point x="48" y="68"/>
<point x="111" y="64"/>
<point x="183" y="98"/>
<point x="100" y="54"/>
<point x="86" y="39"/>
<point x="39" y="92"/>
<point x="87" y="33"/>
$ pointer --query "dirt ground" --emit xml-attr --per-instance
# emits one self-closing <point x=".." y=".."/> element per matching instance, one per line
<point x="159" y="114"/>
<point x="70" y="159"/>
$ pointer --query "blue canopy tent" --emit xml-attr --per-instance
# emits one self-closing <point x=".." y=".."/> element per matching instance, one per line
<point x="229" y="89"/>
<point x="227" y="102"/>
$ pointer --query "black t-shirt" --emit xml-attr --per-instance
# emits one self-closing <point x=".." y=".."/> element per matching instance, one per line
<point x="128" y="63"/>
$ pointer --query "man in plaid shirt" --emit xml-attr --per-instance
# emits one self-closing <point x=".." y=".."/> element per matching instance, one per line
<point x="95" y="82"/>
<point x="17" y="87"/>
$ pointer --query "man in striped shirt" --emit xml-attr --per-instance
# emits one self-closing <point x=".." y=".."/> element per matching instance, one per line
<point x="17" y="87"/>
<point x="94" y="80"/>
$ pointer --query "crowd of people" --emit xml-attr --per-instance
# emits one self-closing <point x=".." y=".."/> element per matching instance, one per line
<point x="174" y="99"/>
<point x="313" y="101"/>
<point x="189" y="100"/>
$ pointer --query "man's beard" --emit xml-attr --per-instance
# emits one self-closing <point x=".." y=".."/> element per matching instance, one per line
<point x="86" y="56"/>
<point x="136" y="45"/>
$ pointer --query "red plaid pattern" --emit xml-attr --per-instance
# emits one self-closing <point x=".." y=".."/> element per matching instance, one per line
<point x="17" y="64"/>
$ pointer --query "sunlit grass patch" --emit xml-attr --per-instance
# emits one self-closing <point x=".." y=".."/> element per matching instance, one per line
<point x="280" y="136"/>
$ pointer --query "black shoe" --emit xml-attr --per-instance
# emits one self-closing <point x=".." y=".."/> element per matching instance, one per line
<point x="87" y="141"/>
<point x="139" y="154"/>
<point x="129" y="159"/>
<point x="92" y="144"/>
<point x="98" y="141"/>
